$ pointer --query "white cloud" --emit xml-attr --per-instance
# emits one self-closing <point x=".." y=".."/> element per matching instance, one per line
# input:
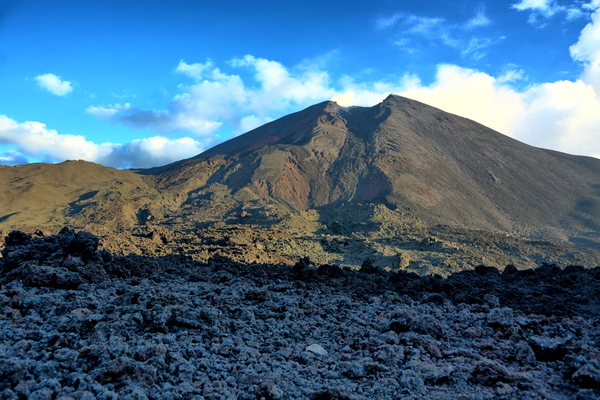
<point x="194" y="70"/>
<point x="592" y="5"/>
<point x="574" y="13"/>
<point x="476" y="47"/>
<point x="544" y="9"/>
<point x="217" y="105"/>
<point x="387" y="22"/>
<point x="281" y="88"/>
<point x="511" y="74"/>
<point x="543" y="6"/>
<point x="216" y="99"/>
<point x="479" y="20"/>
<point x="561" y="115"/>
<point x="352" y="93"/>
<point x="34" y="140"/>
<point x="150" y="152"/>
<point x="54" y="84"/>
<point x="426" y="26"/>
<point x="587" y="50"/>
<point x="471" y="94"/>
<point x="101" y="112"/>
<point x="12" y="157"/>
<point x="160" y="120"/>
<point x="459" y="36"/>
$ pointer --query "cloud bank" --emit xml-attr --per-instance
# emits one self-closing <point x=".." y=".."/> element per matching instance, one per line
<point x="54" y="84"/>
<point x="562" y="115"/>
<point x="215" y="99"/>
<point x="34" y="140"/>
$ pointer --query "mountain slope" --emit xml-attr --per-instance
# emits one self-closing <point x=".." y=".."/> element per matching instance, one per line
<point x="73" y="192"/>
<point x="415" y="159"/>
<point x="409" y="156"/>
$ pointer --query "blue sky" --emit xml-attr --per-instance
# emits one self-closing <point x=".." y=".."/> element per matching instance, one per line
<point x="144" y="83"/>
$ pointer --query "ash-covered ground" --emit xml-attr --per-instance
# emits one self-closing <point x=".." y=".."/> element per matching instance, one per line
<point x="78" y="323"/>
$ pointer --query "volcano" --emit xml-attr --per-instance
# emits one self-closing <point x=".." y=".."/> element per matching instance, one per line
<point x="406" y="155"/>
<point x="409" y="156"/>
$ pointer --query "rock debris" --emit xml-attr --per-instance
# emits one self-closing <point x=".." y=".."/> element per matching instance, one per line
<point x="78" y="323"/>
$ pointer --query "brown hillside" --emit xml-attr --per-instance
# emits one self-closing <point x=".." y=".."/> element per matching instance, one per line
<point x="73" y="192"/>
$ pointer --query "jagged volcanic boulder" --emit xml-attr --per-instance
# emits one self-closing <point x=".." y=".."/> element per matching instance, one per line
<point x="65" y="260"/>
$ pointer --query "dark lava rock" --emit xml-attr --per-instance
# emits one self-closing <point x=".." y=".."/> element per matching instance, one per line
<point x="501" y="317"/>
<point x="489" y="373"/>
<point x="66" y="260"/>
<point x="80" y="323"/>
<point x="367" y="267"/>
<point x="547" y="349"/>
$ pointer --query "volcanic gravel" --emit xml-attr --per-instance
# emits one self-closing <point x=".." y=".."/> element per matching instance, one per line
<point x="78" y="323"/>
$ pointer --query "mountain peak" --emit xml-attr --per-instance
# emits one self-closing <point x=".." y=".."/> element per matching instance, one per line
<point x="302" y="125"/>
<point x="288" y="129"/>
<point x="411" y="156"/>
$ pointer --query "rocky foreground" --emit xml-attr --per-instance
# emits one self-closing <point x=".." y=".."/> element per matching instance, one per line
<point x="78" y="323"/>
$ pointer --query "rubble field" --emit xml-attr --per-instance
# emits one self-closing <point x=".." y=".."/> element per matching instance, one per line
<point x="81" y="323"/>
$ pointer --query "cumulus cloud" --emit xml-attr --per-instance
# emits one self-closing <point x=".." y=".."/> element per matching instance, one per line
<point x="102" y="112"/>
<point x="150" y="152"/>
<point x="54" y="84"/>
<point x="34" y="140"/>
<point x="162" y="121"/>
<point x="511" y="73"/>
<point x="563" y="115"/>
<point x="543" y="6"/>
<point x="559" y="115"/>
<point x="472" y="94"/>
<point x="592" y="5"/>
<point x="196" y="70"/>
<point x="282" y="88"/>
<point x="215" y="98"/>
<point x="587" y="49"/>
<point x="426" y="26"/>
<point x="476" y="48"/>
<point x="387" y="22"/>
<point x="215" y="103"/>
